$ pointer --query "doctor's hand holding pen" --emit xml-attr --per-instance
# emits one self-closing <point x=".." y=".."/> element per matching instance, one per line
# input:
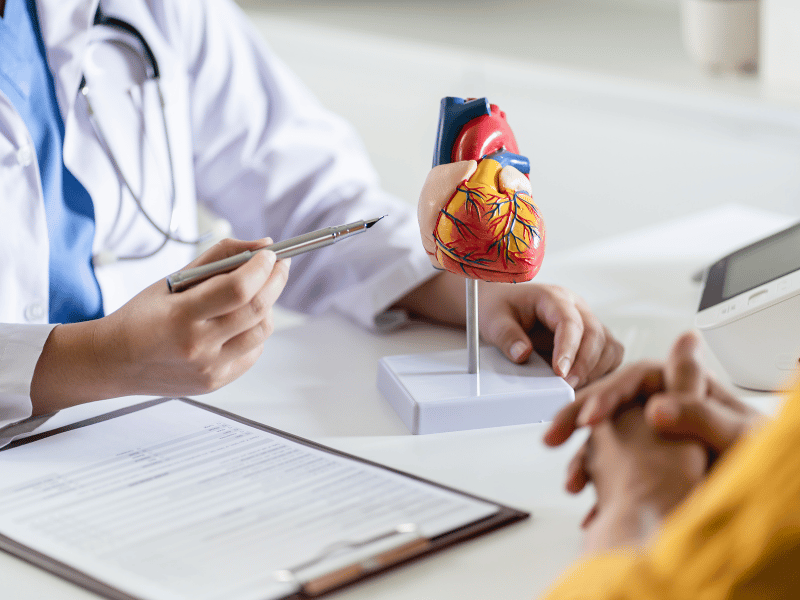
<point x="161" y="343"/>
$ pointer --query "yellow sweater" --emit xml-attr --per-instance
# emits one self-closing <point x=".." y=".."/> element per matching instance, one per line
<point x="736" y="537"/>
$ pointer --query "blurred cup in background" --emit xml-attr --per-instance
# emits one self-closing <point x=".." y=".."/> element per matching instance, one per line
<point x="722" y="35"/>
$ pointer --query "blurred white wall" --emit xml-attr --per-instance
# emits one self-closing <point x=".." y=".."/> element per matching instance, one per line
<point x="636" y="2"/>
<point x="780" y="49"/>
<point x="620" y="128"/>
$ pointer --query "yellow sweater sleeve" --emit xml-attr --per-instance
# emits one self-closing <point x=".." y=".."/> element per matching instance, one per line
<point x="737" y="537"/>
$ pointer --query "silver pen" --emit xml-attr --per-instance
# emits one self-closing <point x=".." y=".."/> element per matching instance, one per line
<point x="187" y="278"/>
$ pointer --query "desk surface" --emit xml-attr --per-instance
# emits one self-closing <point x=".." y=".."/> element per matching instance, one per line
<point x="310" y="382"/>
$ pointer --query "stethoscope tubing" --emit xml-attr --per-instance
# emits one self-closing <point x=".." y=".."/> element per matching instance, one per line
<point x="153" y="73"/>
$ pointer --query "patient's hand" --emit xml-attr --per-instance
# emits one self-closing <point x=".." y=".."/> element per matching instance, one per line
<point x="683" y="401"/>
<point x="638" y="477"/>
<point x="656" y="429"/>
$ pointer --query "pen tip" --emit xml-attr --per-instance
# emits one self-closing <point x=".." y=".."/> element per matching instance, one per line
<point x="372" y="222"/>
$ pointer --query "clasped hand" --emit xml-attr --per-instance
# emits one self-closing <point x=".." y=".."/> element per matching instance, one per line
<point x="656" y="430"/>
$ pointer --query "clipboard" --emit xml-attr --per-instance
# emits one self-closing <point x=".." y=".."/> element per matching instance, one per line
<point x="329" y="568"/>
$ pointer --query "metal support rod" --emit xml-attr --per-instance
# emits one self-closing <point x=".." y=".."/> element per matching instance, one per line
<point x="473" y="337"/>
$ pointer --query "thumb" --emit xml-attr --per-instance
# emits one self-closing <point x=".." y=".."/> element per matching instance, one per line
<point x="439" y="187"/>
<point x="504" y="332"/>
<point x="713" y="424"/>
<point x="683" y="371"/>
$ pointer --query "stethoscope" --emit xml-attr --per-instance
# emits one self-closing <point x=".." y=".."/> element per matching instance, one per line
<point x="152" y="73"/>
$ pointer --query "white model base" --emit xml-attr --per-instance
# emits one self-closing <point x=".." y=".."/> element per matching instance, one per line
<point x="433" y="393"/>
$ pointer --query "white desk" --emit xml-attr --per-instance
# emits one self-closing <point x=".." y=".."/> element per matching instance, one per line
<point x="316" y="378"/>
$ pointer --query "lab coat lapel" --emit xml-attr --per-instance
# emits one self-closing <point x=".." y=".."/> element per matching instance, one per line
<point x="65" y="26"/>
<point x="88" y="160"/>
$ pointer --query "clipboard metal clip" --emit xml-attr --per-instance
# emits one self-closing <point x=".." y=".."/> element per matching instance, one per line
<point x="325" y="572"/>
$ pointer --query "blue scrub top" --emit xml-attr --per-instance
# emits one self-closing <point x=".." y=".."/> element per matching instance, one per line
<point x="27" y="82"/>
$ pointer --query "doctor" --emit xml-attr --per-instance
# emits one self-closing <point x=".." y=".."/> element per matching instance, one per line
<point x="115" y="124"/>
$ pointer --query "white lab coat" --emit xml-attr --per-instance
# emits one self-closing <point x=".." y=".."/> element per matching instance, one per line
<point x="248" y="141"/>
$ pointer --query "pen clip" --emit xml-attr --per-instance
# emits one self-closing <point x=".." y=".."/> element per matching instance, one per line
<point x="325" y="572"/>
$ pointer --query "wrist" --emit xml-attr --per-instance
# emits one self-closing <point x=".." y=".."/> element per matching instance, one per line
<point x="441" y="298"/>
<point x="625" y="522"/>
<point x="73" y="368"/>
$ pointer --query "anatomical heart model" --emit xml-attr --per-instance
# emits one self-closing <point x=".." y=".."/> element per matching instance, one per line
<point x="480" y="222"/>
<point x="476" y="215"/>
<point x="477" y="220"/>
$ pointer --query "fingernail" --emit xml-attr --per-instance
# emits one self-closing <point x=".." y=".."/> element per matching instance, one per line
<point x="518" y="349"/>
<point x="587" y="412"/>
<point x="563" y="366"/>
<point x="573" y="381"/>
